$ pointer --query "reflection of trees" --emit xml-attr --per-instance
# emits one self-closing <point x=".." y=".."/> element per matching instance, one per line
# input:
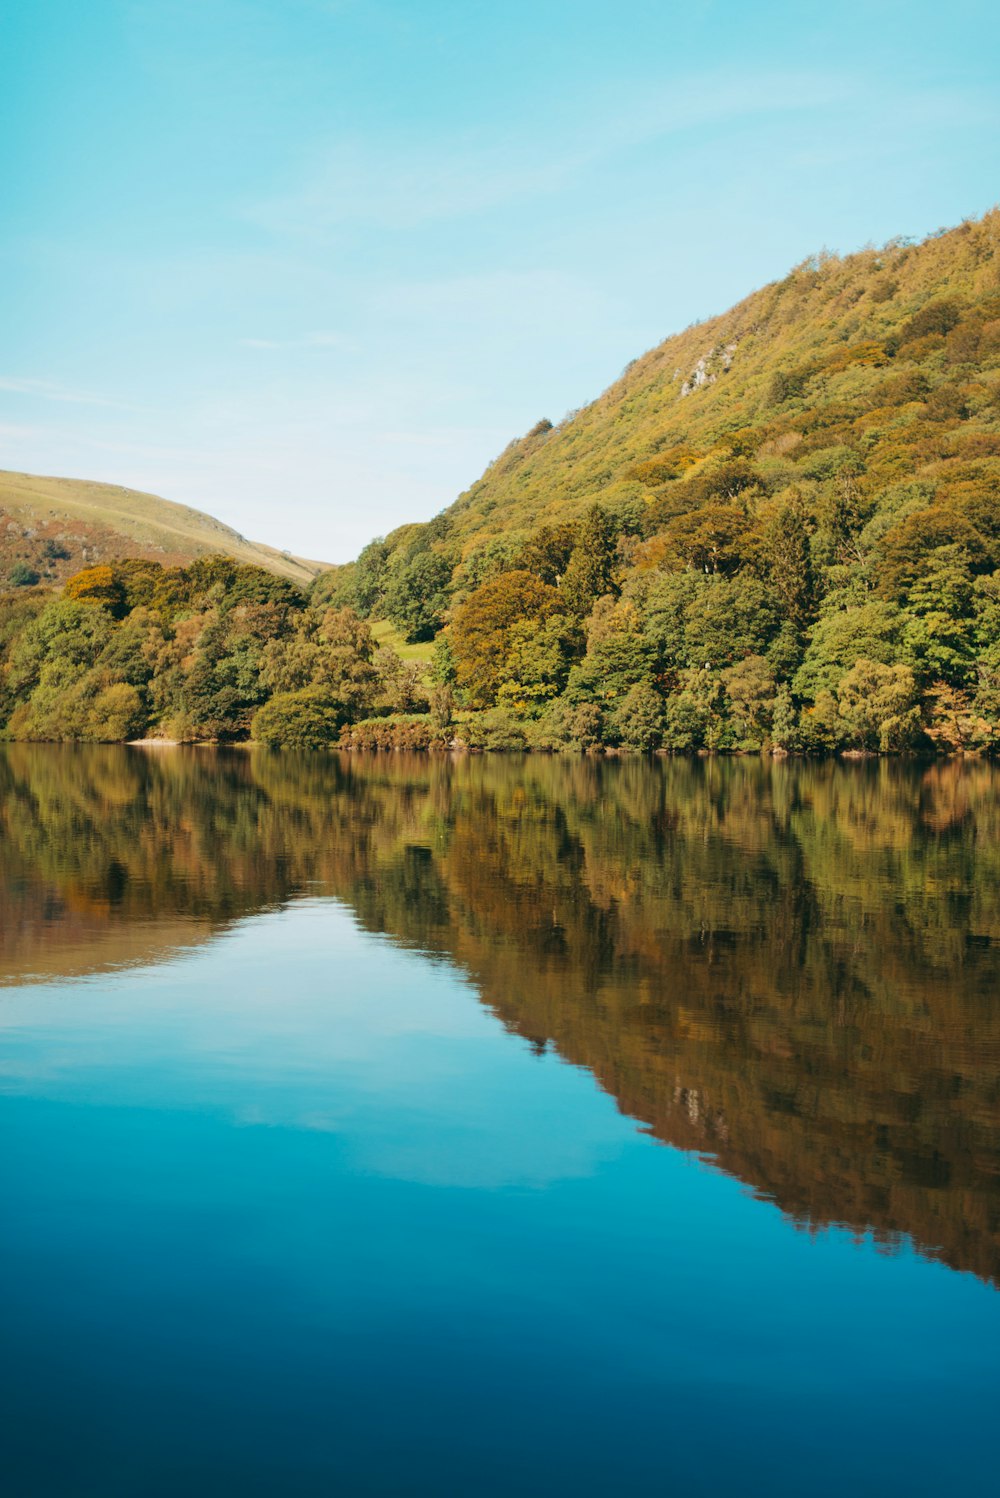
<point x="792" y="968"/>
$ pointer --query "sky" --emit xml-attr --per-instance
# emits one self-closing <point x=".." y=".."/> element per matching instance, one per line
<point x="311" y="264"/>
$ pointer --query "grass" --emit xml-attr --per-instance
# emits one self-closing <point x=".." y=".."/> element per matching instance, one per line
<point x="387" y="634"/>
<point x="132" y="522"/>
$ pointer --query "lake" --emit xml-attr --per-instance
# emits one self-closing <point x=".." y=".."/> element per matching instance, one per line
<point x="492" y="1125"/>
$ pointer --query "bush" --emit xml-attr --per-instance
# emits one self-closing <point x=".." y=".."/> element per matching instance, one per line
<point x="117" y="714"/>
<point x="308" y="719"/>
<point x="495" y="729"/>
<point x="401" y="731"/>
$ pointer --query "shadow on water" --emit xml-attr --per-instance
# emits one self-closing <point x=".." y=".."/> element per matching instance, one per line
<point x="791" y="969"/>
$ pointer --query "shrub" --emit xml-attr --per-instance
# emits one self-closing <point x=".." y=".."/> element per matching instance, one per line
<point x="308" y="719"/>
<point x="401" y="731"/>
<point x="496" y="729"/>
<point x="116" y="715"/>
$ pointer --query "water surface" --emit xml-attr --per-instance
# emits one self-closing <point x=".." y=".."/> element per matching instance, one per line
<point x="431" y="1126"/>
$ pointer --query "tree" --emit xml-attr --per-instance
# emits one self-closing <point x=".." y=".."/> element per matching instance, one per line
<point x="839" y="639"/>
<point x="619" y="655"/>
<point x="878" y="707"/>
<point x="481" y="631"/>
<point x="546" y="553"/>
<point x="116" y="714"/>
<point x="953" y="723"/>
<point x="906" y="549"/>
<point x="537" y="663"/>
<point x="750" y="692"/>
<point x="98" y="585"/>
<point x="783" y="557"/>
<point x="369" y="577"/>
<point x="639" y="718"/>
<point x="416" y="595"/>
<point x="591" y="571"/>
<point x="138" y="580"/>
<point x="709" y="539"/>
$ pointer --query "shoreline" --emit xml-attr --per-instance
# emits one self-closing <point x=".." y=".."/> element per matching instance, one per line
<point x="457" y="748"/>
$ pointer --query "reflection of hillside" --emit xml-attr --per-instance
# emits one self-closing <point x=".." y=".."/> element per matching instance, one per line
<point x="108" y="859"/>
<point x="791" y="968"/>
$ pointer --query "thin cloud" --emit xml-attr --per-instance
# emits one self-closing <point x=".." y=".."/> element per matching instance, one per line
<point x="399" y="185"/>
<point x="49" y="390"/>
<point x="305" y="340"/>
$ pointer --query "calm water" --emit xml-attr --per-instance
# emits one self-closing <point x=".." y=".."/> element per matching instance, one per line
<point x="494" y="1126"/>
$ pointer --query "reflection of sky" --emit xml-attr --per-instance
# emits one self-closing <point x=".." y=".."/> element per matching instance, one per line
<point x="299" y="1020"/>
<point x="302" y="1176"/>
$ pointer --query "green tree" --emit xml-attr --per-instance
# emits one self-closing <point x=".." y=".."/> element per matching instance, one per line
<point x="592" y="570"/>
<point x="878" y="707"/>
<point x="416" y="595"/>
<point x="839" y="639"/>
<point x="370" y="577"/>
<point x="481" y="631"/>
<point x="750" y="696"/>
<point x="117" y="713"/>
<point x="639" y="718"/>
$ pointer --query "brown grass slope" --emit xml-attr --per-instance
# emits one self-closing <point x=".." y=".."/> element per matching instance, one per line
<point x="55" y="526"/>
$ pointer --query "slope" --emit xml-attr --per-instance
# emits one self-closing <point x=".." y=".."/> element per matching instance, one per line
<point x="54" y="526"/>
<point x="870" y="350"/>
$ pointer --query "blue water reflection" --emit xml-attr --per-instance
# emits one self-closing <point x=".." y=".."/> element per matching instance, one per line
<point x="483" y="1127"/>
<point x="294" y="1214"/>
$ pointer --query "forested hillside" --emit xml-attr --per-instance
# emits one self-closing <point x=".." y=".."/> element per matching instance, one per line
<point x="779" y="527"/>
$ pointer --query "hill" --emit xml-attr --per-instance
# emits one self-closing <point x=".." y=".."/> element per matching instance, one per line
<point x="871" y="351"/>
<point x="805" y="487"/>
<point x="52" y="527"/>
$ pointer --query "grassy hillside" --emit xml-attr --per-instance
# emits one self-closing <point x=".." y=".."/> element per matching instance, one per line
<point x="55" y="526"/>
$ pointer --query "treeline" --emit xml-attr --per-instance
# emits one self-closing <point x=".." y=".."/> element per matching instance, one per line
<point x="838" y="618"/>
<point x="212" y="651"/>
<point x="747" y="642"/>
<point x="789" y="541"/>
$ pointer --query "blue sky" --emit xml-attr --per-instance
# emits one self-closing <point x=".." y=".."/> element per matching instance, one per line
<point x="310" y="264"/>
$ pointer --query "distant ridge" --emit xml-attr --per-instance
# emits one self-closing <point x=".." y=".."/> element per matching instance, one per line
<point x="55" y="526"/>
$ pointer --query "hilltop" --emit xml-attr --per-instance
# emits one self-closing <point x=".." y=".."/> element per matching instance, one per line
<point x="52" y="527"/>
